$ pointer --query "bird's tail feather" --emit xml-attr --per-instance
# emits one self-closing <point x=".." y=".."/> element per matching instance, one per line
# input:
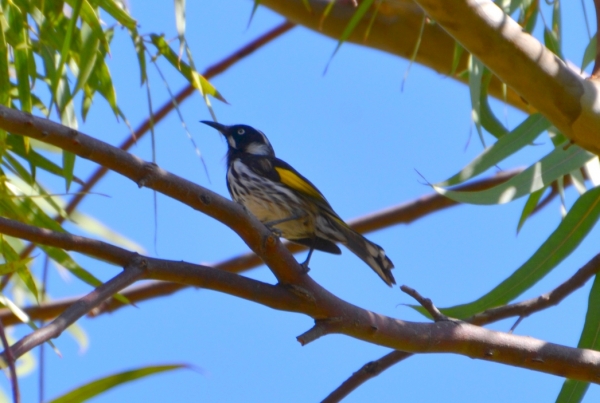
<point x="372" y="254"/>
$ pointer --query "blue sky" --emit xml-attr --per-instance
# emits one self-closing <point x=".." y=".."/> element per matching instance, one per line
<point x="360" y="139"/>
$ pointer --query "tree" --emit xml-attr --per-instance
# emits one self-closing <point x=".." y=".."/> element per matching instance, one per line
<point x="56" y="65"/>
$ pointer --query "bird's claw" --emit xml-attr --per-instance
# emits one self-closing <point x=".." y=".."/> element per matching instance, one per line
<point x="305" y="268"/>
<point x="277" y="232"/>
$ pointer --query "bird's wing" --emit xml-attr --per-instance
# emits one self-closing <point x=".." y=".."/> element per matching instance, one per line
<point x="294" y="180"/>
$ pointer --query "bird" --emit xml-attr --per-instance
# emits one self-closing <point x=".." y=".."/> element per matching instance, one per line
<point x="289" y="204"/>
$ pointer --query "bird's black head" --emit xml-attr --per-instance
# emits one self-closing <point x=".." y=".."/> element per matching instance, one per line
<point x="244" y="138"/>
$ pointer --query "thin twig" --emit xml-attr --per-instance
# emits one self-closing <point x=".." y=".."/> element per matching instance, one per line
<point x="133" y="272"/>
<point x="11" y="361"/>
<point x="425" y="303"/>
<point x="42" y="352"/>
<point x="368" y="371"/>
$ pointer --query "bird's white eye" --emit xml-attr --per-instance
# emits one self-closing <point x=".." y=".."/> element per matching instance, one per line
<point x="241" y="131"/>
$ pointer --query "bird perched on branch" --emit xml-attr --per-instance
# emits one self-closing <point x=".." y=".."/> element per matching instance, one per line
<point x="288" y="203"/>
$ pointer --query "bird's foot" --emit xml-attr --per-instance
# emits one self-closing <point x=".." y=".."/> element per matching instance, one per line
<point x="305" y="268"/>
<point x="277" y="232"/>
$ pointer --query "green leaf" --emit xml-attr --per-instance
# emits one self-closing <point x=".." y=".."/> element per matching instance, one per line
<point x="589" y="55"/>
<point x="325" y="13"/>
<point x="489" y="121"/>
<point x="27" y="278"/>
<point x="33" y="157"/>
<point x="21" y="56"/>
<point x="68" y="167"/>
<point x="458" y="51"/>
<point x="554" y="165"/>
<point x="87" y="56"/>
<point x="61" y="257"/>
<point x="530" y="205"/>
<point x="115" y="9"/>
<point x="570" y="232"/>
<point x="356" y="17"/>
<point x="194" y="78"/>
<point x="11" y="267"/>
<point x="475" y="76"/>
<point x="573" y="391"/>
<point x="507" y="145"/>
<point x="66" y="47"/>
<point x="15" y="264"/>
<point x="140" y="50"/>
<point x="23" y="317"/>
<point x="91" y="19"/>
<point x="529" y="16"/>
<point x="105" y="384"/>
<point x="93" y="226"/>
<point x="100" y="80"/>
<point x="4" y="72"/>
<point x="254" y="8"/>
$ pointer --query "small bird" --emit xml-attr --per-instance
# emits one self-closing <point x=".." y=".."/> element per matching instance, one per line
<point x="288" y="203"/>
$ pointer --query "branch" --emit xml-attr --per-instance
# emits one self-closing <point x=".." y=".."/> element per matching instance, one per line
<point x="520" y="309"/>
<point x="401" y="214"/>
<point x="425" y="303"/>
<point x="136" y="268"/>
<point x="554" y="297"/>
<point x="296" y="290"/>
<point x="10" y="358"/>
<point x="132" y="272"/>
<point x="395" y="29"/>
<point x="524" y="64"/>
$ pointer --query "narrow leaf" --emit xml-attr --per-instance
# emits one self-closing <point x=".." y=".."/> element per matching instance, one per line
<point x="521" y="136"/>
<point x="21" y="57"/>
<point x="87" y="56"/>
<point x="570" y="232"/>
<point x="107" y="383"/>
<point x="530" y="205"/>
<point x="589" y="55"/>
<point x="115" y="9"/>
<point x="475" y="76"/>
<point x="356" y="17"/>
<point x="554" y="165"/>
<point x="68" y="167"/>
<point x="194" y="78"/>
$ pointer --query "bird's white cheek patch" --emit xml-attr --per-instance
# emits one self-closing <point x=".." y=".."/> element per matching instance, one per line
<point x="231" y="141"/>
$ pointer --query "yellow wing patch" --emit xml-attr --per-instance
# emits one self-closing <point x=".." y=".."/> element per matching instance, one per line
<point x="294" y="181"/>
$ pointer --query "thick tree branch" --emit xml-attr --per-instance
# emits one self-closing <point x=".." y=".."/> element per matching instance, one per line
<point x="520" y="309"/>
<point x="158" y="269"/>
<point x="404" y="213"/>
<point x="395" y="29"/>
<point x="570" y="102"/>
<point x="309" y="297"/>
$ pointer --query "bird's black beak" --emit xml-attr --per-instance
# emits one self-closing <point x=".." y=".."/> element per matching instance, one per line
<point x="215" y="125"/>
